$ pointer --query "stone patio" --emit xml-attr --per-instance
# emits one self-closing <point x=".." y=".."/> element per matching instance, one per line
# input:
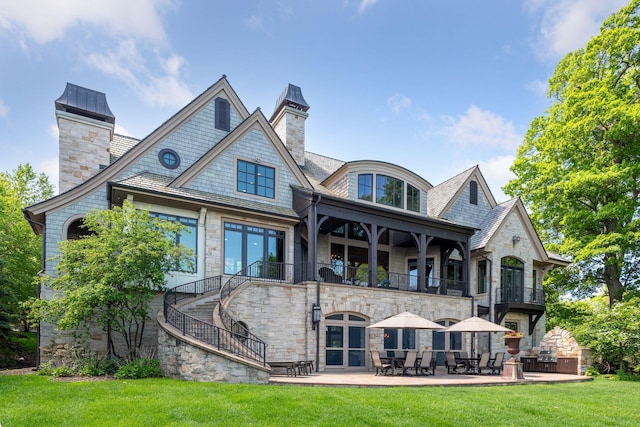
<point x="369" y="379"/>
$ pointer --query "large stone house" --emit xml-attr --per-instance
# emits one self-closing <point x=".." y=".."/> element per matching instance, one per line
<point x="295" y="252"/>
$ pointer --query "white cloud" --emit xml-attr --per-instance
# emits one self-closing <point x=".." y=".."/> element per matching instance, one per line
<point x="366" y="4"/>
<point x="53" y="132"/>
<point x="129" y="65"/>
<point x="4" y="110"/>
<point x="398" y="102"/>
<point x="567" y="25"/>
<point x="44" y="21"/>
<point x="50" y="168"/>
<point x="254" y="22"/>
<point x="482" y="128"/>
<point x="126" y="24"/>
<point x="538" y="88"/>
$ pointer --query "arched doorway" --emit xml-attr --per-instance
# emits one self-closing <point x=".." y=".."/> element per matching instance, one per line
<point x="345" y="341"/>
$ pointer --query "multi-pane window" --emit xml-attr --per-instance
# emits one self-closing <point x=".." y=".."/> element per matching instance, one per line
<point x="365" y="187"/>
<point x="256" y="179"/>
<point x="188" y="238"/>
<point x="413" y="198"/>
<point x="512" y="279"/>
<point x="389" y="191"/>
<point x="245" y="245"/>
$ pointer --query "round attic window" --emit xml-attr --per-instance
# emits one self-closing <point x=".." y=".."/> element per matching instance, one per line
<point x="169" y="158"/>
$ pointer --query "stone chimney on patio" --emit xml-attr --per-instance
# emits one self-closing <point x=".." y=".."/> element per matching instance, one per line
<point x="288" y="121"/>
<point x="85" y="127"/>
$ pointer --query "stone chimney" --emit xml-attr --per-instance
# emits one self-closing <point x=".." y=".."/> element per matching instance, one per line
<point x="85" y="127"/>
<point x="288" y="121"/>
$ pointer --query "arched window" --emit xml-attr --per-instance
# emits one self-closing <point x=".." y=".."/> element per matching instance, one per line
<point x="76" y="230"/>
<point x="512" y="280"/>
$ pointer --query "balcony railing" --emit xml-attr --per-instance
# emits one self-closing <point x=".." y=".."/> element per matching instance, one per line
<point x="519" y="296"/>
<point x="332" y="273"/>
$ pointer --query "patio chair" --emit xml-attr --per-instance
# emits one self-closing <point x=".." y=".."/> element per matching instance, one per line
<point x="496" y="364"/>
<point x="408" y="363"/>
<point x="329" y="276"/>
<point x="452" y="364"/>
<point x="384" y="368"/>
<point x="484" y="362"/>
<point x="427" y="363"/>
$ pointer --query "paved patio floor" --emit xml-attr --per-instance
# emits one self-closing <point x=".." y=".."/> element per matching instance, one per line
<point x="441" y="378"/>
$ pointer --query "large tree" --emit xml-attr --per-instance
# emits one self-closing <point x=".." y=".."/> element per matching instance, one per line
<point x="578" y="169"/>
<point x="20" y="248"/>
<point x="110" y="275"/>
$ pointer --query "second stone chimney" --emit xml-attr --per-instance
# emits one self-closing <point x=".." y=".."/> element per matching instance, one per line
<point x="85" y="127"/>
<point x="288" y="121"/>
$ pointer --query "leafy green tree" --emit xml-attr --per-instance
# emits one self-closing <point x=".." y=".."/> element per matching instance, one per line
<point x="578" y="170"/>
<point x="111" y="274"/>
<point x="20" y="248"/>
<point x="612" y="333"/>
<point x="7" y="318"/>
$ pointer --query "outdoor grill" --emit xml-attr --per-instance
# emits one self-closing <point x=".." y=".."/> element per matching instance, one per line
<point x="547" y="356"/>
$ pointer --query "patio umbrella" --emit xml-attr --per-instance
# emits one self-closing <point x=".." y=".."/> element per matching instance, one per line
<point x="476" y="324"/>
<point x="406" y="320"/>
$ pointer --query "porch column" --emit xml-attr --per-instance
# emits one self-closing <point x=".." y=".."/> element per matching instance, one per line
<point x="313" y="244"/>
<point x="373" y="254"/>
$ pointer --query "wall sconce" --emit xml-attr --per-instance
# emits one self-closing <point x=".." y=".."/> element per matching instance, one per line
<point x="315" y="316"/>
<point x="515" y="240"/>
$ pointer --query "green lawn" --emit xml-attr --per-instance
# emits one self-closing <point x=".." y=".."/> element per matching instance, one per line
<point x="33" y="400"/>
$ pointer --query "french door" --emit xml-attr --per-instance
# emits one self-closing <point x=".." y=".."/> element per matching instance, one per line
<point x="345" y="341"/>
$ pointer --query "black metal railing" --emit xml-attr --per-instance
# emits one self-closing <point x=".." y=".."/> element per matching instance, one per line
<point x="238" y="342"/>
<point x="520" y="295"/>
<point x="348" y="275"/>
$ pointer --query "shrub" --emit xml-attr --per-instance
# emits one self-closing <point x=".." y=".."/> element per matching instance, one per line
<point x="140" y="368"/>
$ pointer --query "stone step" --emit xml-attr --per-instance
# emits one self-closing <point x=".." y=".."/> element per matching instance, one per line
<point x="202" y="310"/>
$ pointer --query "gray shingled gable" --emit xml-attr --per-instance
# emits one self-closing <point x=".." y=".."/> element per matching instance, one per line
<point x="439" y="196"/>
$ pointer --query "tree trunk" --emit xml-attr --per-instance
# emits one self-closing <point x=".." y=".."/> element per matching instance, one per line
<point x="612" y="280"/>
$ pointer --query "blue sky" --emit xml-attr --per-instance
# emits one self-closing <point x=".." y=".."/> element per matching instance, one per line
<point x="434" y="86"/>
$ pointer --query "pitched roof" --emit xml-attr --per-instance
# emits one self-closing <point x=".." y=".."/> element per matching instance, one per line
<point x="440" y="195"/>
<point x="159" y="184"/>
<point x="120" y="144"/>
<point x="490" y="224"/>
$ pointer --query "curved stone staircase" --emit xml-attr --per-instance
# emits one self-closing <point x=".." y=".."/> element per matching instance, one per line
<point x="198" y="339"/>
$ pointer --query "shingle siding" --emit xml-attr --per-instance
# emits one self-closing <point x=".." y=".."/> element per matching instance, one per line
<point x="464" y="213"/>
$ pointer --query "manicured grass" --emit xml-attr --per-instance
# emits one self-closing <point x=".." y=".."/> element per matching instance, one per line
<point x="33" y="400"/>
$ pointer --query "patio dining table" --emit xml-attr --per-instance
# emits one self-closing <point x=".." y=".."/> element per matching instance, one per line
<point x="398" y="361"/>
<point x="470" y="364"/>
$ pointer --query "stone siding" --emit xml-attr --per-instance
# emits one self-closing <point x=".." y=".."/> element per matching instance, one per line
<point x="186" y="359"/>
<point x="280" y="315"/>
<point x="84" y="148"/>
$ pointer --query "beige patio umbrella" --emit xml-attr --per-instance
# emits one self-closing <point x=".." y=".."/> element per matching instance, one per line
<point x="406" y="320"/>
<point x="476" y="324"/>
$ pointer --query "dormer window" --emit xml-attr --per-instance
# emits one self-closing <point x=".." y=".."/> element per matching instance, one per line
<point x="389" y="191"/>
<point x="473" y="192"/>
<point x="365" y="187"/>
<point x="223" y="114"/>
